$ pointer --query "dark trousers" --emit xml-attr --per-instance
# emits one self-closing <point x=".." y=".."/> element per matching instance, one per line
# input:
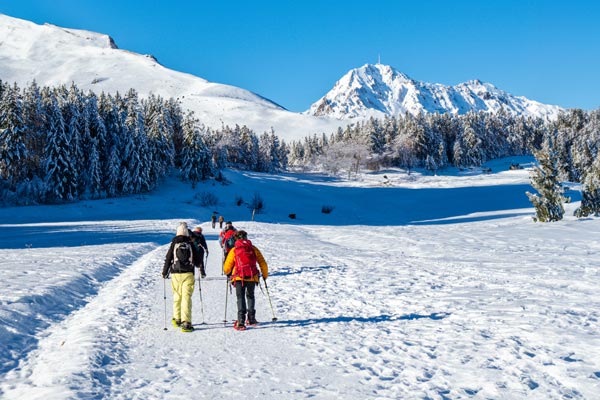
<point x="245" y="291"/>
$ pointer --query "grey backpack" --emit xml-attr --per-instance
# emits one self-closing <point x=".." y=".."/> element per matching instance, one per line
<point x="183" y="257"/>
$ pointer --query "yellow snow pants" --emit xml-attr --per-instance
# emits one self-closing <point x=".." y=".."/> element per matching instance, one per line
<point x="183" y="287"/>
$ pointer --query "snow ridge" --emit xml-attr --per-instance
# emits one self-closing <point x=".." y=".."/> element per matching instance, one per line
<point x="53" y="56"/>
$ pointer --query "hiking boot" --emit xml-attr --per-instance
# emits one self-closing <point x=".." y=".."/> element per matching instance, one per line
<point x="187" y="327"/>
<point x="176" y="322"/>
<point x="251" y="318"/>
<point x="239" y="327"/>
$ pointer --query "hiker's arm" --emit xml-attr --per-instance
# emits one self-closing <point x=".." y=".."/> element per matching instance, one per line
<point x="168" y="261"/>
<point x="264" y="268"/>
<point x="229" y="263"/>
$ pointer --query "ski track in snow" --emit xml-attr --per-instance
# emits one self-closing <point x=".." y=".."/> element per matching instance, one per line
<point x="400" y="318"/>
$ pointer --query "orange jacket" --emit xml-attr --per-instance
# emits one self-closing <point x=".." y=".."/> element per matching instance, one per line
<point x="229" y="266"/>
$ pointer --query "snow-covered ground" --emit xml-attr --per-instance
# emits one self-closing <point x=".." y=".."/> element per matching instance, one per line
<point x="412" y="287"/>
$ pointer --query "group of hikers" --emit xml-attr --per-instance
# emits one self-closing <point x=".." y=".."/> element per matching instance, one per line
<point x="241" y="263"/>
<point x="213" y="220"/>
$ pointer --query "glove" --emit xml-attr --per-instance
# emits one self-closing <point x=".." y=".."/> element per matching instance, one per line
<point x="165" y="275"/>
<point x="203" y="275"/>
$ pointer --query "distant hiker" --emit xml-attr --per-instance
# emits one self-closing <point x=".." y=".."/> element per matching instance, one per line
<point x="240" y="265"/>
<point x="179" y="265"/>
<point x="227" y="238"/>
<point x="213" y="220"/>
<point x="221" y="219"/>
<point x="199" y="242"/>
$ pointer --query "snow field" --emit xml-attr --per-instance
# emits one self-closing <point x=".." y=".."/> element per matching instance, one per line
<point x="475" y="306"/>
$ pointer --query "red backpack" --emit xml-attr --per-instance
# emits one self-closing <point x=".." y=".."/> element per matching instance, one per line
<point x="245" y="259"/>
<point x="229" y="240"/>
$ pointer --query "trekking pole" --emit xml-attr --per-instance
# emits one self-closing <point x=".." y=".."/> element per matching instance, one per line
<point x="222" y="262"/>
<point x="165" y="297"/>
<point x="226" y="296"/>
<point x="269" y="297"/>
<point x="201" y="303"/>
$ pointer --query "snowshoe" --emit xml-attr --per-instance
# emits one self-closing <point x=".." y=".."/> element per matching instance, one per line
<point x="251" y="322"/>
<point x="239" y="327"/>
<point x="176" y="323"/>
<point x="187" y="327"/>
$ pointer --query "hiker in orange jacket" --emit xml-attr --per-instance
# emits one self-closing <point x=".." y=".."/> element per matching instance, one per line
<point x="240" y="265"/>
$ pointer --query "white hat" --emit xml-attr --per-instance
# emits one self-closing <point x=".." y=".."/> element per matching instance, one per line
<point x="182" y="229"/>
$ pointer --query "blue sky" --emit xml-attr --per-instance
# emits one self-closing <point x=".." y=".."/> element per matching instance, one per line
<point x="293" y="52"/>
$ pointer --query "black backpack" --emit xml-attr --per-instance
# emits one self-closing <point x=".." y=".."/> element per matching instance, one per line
<point x="182" y="257"/>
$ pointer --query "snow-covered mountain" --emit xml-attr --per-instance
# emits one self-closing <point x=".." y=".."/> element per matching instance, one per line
<point x="377" y="90"/>
<point x="53" y="55"/>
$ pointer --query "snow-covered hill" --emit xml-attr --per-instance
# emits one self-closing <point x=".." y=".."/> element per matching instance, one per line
<point x="53" y="55"/>
<point x="376" y="90"/>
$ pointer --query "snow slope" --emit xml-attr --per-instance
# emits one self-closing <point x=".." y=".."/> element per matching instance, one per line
<point x="53" y="55"/>
<point x="413" y="287"/>
<point x="378" y="90"/>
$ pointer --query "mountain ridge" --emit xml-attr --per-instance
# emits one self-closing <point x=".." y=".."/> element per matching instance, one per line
<point x="378" y="90"/>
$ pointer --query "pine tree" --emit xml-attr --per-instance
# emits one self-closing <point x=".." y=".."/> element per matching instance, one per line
<point x="34" y="119"/>
<point x="61" y="174"/>
<point x="548" y="201"/>
<point x="110" y="154"/>
<point x="159" y="129"/>
<point x="196" y="160"/>
<point x="92" y="134"/>
<point x="136" y="151"/>
<point x="12" y="136"/>
<point x="268" y="152"/>
<point x="590" y="194"/>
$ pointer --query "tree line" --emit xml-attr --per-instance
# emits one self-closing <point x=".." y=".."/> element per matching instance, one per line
<point x="430" y="141"/>
<point x="61" y="144"/>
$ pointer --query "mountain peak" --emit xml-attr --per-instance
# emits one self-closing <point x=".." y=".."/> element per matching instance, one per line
<point x="378" y="90"/>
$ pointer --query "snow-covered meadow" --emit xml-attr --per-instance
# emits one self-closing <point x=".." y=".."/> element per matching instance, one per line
<point x="424" y="287"/>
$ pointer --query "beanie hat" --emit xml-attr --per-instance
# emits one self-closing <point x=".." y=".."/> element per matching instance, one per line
<point x="182" y="229"/>
<point x="241" y="235"/>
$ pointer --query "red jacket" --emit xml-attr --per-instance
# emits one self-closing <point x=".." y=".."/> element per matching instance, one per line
<point x="226" y="235"/>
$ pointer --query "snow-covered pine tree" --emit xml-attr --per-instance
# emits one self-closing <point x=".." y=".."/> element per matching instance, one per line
<point x="61" y="173"/>
<point x="268" y="152"/>
<point x="137" y="154"/>
<point x="590" y="193"/>
<point x="159" y="127"/>
<point x="110" y="159"/>
<point x="196" y="160"/>
<point x="404" y="151"/>
<point x="470" y="141"/>
<point x="283" y="155"/>
<point x="248" y="149"/>
<point x="91" y="172"/>
<point x="296" y="155"/>
<point x="34" y="119"/>
<point x="548" y="201"/>
<point x="375" y="136"/>
<point x="12" y="136"/>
